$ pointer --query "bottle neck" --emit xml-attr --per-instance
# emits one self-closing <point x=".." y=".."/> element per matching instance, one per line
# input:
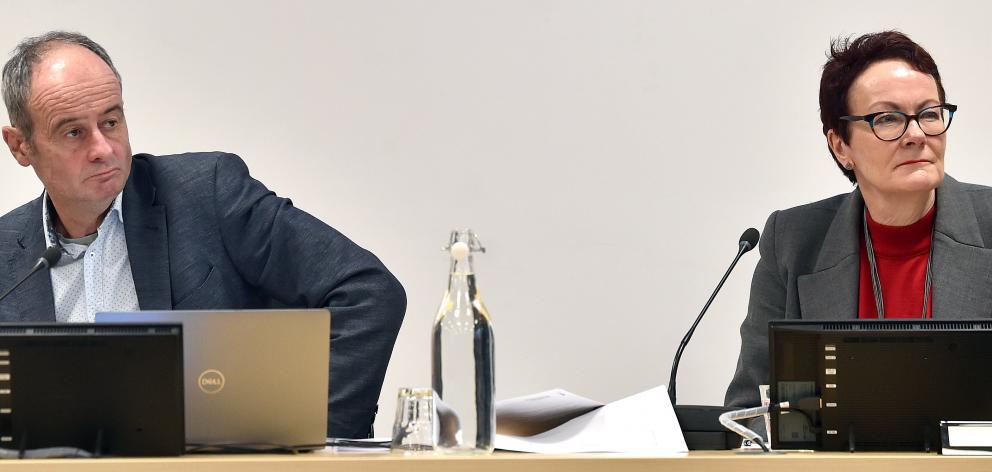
<point x="462" y="276"/>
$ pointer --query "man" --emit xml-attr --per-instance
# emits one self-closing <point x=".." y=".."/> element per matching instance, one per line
<point x="193" y="231"/>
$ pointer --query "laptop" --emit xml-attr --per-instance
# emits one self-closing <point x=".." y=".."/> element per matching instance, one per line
<point x="254" y="379"/>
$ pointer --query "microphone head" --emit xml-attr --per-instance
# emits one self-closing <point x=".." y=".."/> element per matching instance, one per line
<point x="52" y="255"/>
<point x="749" y="240"/>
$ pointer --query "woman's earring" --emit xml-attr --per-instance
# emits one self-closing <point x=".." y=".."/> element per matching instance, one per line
<point x="849" y="166"/>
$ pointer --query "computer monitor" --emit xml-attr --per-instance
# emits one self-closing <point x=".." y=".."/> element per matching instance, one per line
<point x="109" y="389"/>
<point x="884" y="384"/>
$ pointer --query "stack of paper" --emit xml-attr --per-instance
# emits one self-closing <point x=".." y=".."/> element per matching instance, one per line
<point x="558" y="422"/>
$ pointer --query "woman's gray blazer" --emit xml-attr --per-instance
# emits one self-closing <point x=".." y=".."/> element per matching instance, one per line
<point x="810" y="264"/>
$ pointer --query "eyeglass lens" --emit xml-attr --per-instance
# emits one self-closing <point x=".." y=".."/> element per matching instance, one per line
<point x="892" y="125"/>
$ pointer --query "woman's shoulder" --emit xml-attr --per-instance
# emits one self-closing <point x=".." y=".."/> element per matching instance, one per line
<point x="969" y="205"/>
<point x="953" y="185"/>
<point x="795" y="236"/>
<point x="824" y="209"/>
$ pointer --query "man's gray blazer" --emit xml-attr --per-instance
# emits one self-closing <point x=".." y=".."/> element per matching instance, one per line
<point x="202" y="234"/>
<point x="810" y="262"/>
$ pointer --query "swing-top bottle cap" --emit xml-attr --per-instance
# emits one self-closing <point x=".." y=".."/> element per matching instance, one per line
<point x="459" y="250"/>
<point x="463" y="243"/>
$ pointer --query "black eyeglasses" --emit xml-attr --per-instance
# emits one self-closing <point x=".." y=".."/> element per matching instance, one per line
<point x="891" y="125"/>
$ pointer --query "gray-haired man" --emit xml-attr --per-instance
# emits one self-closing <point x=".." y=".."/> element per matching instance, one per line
<point x="193" y="231"/>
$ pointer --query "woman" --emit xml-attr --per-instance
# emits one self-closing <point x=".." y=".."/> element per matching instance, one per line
<point x="908" y="242"/>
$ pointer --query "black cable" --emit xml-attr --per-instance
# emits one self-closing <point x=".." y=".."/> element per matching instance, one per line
<point x="731" y="419"/>
<point x="809" y="418"/>
<point x="761" y="443"/>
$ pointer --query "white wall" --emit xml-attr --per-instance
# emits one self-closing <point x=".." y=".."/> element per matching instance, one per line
<point x="608" y="153"/>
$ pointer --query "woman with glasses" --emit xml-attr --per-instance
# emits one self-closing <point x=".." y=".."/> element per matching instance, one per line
<point x="907" y="242"/>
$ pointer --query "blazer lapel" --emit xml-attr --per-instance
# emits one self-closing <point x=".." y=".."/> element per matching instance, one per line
<point x="962" y="264"/>
<point x="830" y="292"/>
<point x="146" y="231"/>
<point x="34" y="300"/>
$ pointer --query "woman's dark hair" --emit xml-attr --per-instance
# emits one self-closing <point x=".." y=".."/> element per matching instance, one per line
<point x="848" y="58"/>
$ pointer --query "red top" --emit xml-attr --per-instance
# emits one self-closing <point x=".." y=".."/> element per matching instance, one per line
<point x="901" y="253"/>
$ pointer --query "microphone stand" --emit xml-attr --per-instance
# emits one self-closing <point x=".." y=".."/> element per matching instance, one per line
<point x="700" y="424"/>
<point x="685" y="340"/>
<point x="47" y="260"/>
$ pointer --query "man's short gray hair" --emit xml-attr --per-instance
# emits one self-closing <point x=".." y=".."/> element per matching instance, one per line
<point x="17" y="71"/>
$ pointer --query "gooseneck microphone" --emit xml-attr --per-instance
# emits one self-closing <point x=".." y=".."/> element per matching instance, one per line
<point x="748" y="241"/>
<point x="46" y="261"/>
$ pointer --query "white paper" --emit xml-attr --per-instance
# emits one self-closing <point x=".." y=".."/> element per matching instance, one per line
<point x="537" y="413"/>
<point x="644" y="423"/>
<point x="948" y="451"/>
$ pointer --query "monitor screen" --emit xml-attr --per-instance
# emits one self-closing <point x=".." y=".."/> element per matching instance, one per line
<point x="106" y="389"/>
<point x="884" y="384"/>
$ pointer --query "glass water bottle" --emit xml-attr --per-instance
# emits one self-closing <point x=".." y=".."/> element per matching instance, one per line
<point x="462" y="357"/>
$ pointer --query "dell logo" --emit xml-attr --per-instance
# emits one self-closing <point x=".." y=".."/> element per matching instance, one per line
<point x="211" y="381"/>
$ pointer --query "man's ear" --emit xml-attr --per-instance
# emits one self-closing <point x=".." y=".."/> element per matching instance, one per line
<point x="18" y="144"/>
<point x="839" y="147"/>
